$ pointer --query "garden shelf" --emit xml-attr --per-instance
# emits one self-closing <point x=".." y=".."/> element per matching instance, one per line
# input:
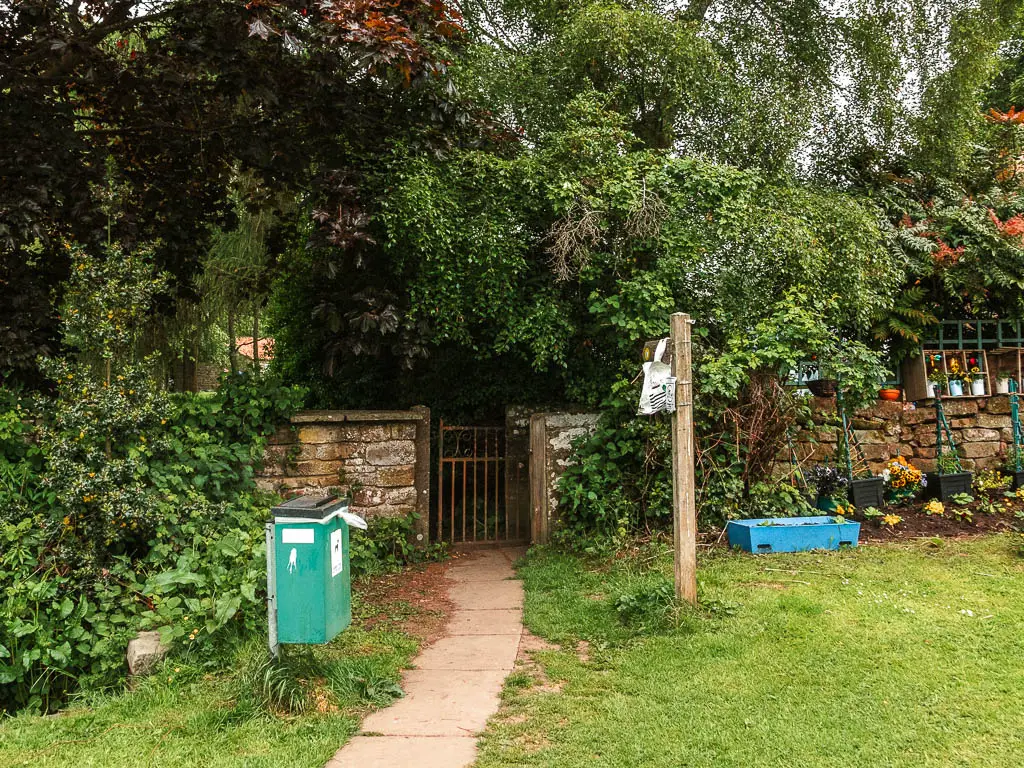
<point x="915" y="372"/>
<point x="943" y="487"/>
<point x="792" y="534"/>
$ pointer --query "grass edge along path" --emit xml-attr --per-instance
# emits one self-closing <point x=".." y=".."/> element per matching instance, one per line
<point x="246" y="715"/>
<point x="887" y="655"/>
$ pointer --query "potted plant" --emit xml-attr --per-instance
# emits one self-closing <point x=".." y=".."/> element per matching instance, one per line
<point x="902" y="481"/>
<point x="937" y="381"/>
<point x="977" y="379"/>
<point x="830" y="484"/>
<point x="867" y="491"/>
<point x="956" y="378"/>
<point x="1003" y="383"/>
<point x="1014" y="465"/>
<point x="889" y="393"/>
<point x="949" y="479"/>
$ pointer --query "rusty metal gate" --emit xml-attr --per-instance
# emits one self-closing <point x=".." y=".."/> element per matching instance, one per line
<point x="473" y="483"/>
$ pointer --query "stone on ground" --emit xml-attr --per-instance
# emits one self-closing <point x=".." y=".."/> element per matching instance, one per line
<point x="145" y="652"/>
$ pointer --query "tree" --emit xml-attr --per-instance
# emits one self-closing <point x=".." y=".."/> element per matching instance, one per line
<point x="127" y="121"/>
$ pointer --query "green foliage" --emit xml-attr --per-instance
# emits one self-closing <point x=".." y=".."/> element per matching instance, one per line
<point x="138" y="511"/>
<point x="388" y="544"/>
<point x="1013" y="456"/>
<point x="276" y="79"/>
<point x="614" y="487"/>
<point x="962" y="513"/>
<point x="648" y="607"/>
<point x="948" y="463"/>
<point x="21" y="459"/>
<point x="991" y="482"/>
<point x="794" y="333"/>
<point x="989" y="506"/>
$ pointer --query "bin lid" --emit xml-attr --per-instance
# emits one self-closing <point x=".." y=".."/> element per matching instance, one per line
<point x="309" y="507"/>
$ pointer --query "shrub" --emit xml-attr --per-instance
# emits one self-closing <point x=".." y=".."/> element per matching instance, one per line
<point x="139" y="510"/>
<point x="387" y="545"/>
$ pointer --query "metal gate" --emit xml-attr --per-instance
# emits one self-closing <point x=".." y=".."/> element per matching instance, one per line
<point x="473" y="480"/>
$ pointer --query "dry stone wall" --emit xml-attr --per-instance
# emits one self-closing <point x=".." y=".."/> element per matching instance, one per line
<point x="380" y="458"/>
<point x="981" y="427"/>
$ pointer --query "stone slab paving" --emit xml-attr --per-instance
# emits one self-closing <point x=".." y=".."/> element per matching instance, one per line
<point x="506" y="621"/>
<point x="401" y="751"/>
<point x="457" y="681"/>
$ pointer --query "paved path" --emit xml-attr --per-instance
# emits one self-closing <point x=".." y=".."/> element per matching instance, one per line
<point x="455" y="686"/>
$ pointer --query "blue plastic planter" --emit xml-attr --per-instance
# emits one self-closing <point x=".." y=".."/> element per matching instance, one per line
<point x="792" y="534"/>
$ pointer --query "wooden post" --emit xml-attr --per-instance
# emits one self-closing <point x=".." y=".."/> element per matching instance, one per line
<point x="684" y="511"/>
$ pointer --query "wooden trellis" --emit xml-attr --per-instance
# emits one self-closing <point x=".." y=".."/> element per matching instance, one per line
<point x="944" y="436"/>
<point x="1018" y="438"/>
<point x="853" y="452"/>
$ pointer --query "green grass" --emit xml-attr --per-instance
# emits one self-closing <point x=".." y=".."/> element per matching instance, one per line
<point x="186" y="717"/>
<point x="901" y="655"/>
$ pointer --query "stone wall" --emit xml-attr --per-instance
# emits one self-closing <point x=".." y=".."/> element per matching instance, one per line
<point x="981" y="428"/>
<point x="551" y="439"/>
<point x="208" y="376"/>
<point x="380" y="458"/>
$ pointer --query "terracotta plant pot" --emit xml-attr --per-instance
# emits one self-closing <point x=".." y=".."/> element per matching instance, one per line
<point x="889" y="393"/>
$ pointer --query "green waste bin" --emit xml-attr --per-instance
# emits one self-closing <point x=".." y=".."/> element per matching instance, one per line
<point x="309" y="597"/>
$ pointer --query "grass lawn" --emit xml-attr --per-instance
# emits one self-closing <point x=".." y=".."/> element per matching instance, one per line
<point x="889" y="655"/>
<point x="187" y="717"/>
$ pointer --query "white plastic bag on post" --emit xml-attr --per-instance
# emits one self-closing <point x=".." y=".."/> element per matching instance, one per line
<point x="659" y="390"/>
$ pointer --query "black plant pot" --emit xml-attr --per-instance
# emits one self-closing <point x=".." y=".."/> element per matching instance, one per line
<point x="1018" y="480"/>
<point x="943" y="487"/>
<point x="867" y="492"/>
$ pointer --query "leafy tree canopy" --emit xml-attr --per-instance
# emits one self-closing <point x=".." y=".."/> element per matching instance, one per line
<point x="127" y="120"/>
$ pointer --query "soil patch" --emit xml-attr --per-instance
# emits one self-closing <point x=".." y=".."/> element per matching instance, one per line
<point x="414" y="601"/>
<point x="526" y="661"/>
<point x="916" y="524"/>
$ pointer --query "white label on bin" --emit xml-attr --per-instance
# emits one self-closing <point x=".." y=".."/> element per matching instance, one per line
<point x="298" y="535"/>
<point x="337" y="558"/>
